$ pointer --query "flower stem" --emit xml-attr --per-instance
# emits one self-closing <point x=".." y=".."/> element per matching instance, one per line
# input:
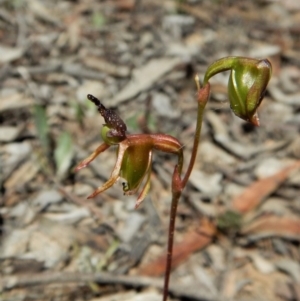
<point x="176" y="193"/>
<point x="202" y="98"/>
<point x="178" y="184"/>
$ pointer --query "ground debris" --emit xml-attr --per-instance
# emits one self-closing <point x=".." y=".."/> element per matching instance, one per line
<point x="238" y="226"/>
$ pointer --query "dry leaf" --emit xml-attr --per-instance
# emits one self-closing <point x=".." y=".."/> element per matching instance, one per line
<point x="144" y="77"/>
<point x="258" y="191"/>
<point x="193" y="241"/>
<point x="274" y="226"/>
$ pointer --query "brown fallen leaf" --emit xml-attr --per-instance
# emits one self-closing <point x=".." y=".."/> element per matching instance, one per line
<point x="253" y="195"/>
<point x="248" y="200"/>
<point x="194" y="240"/>
<point x="103" y="65"/>
<point x="22" y="175"/>
<point x="271" y="225"/>
<point x="126" y="5"/>
<point x="15" y="101"/>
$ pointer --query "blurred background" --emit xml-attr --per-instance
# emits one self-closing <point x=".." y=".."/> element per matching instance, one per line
<point x="238" y="222"/>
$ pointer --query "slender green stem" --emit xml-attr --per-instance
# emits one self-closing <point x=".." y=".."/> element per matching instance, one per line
<point x="203" y="95"/>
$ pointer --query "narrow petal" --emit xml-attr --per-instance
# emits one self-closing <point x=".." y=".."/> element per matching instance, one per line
<point x="90" y="158"/>
<point x="116" y="171"/>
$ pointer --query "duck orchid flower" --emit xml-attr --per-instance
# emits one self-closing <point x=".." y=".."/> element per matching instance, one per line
<point x="134" y="153"/>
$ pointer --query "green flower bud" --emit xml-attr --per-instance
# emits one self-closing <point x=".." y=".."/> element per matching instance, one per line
<point x="246" y="86"/>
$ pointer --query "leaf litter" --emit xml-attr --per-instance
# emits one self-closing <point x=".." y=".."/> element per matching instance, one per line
<point x="122" y="52"/>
